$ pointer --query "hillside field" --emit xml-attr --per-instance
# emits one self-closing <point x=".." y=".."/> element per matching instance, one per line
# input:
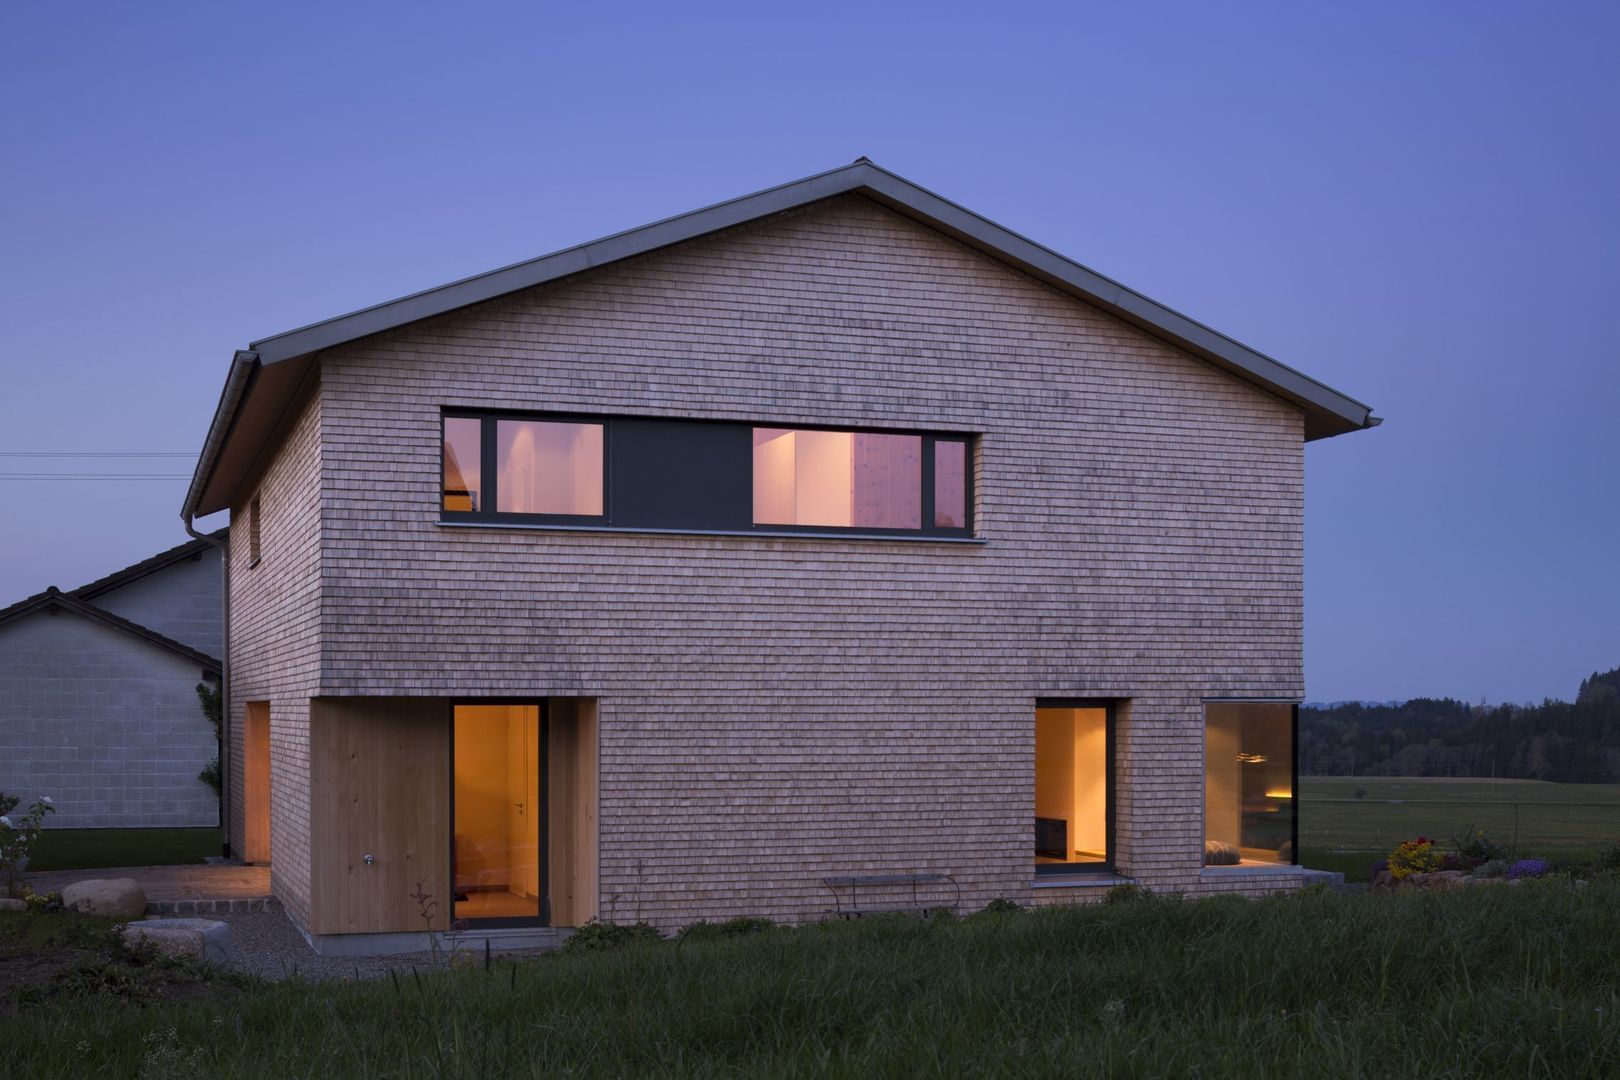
<point x="1339" y="831"/>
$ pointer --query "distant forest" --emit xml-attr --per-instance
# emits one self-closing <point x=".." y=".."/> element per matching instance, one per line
<point x="1568" y="742"/>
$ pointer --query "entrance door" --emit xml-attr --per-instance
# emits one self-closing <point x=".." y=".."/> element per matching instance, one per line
<point x="498" y="815"/>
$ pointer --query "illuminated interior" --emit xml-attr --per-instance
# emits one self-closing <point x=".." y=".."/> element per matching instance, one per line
<point x="463" y="462"/>
<point x="498" y="811"/>
<point x="950" y="484"/>
<point x="1071" y="786"/>
<point x="1249" y="781"/>
<point x="837" y="478"/>
<point x="548" y="467"/>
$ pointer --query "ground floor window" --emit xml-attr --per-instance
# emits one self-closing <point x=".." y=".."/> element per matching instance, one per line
<point x="1249" y="780"/>
<point x="1074" y="752"/>
<point x="498" y="811"/>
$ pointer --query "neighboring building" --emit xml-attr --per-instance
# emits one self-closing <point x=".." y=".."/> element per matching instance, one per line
<point x="98" y="700"/>
<point x="830" y="531"/>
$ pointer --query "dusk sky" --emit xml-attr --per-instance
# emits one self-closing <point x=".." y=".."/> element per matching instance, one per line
<point x="1418" y="205"/>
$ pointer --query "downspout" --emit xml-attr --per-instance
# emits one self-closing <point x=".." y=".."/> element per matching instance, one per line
<point x="242" y="368"/>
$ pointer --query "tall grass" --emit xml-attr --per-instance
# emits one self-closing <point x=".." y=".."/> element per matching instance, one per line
<point x="1507" y="980"/>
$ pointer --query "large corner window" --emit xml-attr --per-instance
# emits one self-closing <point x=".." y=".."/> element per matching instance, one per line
<point x="701" y="476"/>
<point x="1249" y="783"/>
<point x="1074" y="819"/>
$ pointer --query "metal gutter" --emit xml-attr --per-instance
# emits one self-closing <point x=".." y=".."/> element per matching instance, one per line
<point x="243" y="365"/>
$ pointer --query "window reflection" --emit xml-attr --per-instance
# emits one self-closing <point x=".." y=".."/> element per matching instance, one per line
<point x="950" y="484"/>
<point x="1248" y="783"/>
<point x="462" y="462"/>
<point x="837" y="479"/>
<point x="548" y="467"/>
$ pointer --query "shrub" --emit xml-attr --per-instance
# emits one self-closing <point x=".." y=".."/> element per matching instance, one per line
<point x="1127" y="894"/>
<point x="1495" y="868"/>
<point x="1452" y="860"/>
<point x="1474" y="844"/>
<point x="1528" y="868"/>
<point x="1414" y="857"/>
<point x="730" y="928"/>
<point x="1001" y="906"/>
<point x="597" y="936"/>
<point x="17" y="836"/>
<point x="1609" y="858"/>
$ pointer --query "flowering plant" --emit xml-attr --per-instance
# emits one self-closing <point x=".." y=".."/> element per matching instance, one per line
<point x="17" y="836"/>
<point x="1414" y="857"/>
<point x="1528" y="868"/>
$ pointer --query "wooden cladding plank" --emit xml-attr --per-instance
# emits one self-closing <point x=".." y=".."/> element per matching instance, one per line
<point x="256" y="783"/>
<point x="571" y="808"/>
<point x="381" y="787"/>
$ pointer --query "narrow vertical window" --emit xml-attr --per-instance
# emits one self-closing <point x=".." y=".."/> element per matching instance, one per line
<point x="1072" y="776"/>
<point x="1248" y="783"/>
<point x="837" y="479"/>
<point x="463" y="464"/>
<point x="253" y="532"/>
<point x="950" y="484"/>
<point x="548" y="467"/>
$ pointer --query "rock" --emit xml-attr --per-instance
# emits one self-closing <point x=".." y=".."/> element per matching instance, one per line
<point x="8" y="904"/>
<point x="113" y="898"/>
<point x="1383" y="880"/>
<point x="205" y="940"/>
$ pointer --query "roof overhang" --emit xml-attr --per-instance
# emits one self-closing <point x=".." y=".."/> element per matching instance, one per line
<point x="265" y="378"/>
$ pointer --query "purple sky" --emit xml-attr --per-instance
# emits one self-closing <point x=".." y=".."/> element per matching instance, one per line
<point x="1417" y="204"/>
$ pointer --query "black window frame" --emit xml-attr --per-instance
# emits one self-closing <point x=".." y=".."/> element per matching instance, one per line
<point x="1104" y="868"/>
<point x="488" y="480"/>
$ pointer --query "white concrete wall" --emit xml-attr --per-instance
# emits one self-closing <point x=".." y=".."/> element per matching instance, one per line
<point x="105" y="723"/>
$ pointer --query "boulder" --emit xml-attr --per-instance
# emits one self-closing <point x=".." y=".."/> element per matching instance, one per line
<point x="113" y="898"/>
<point x="8" y="904"/>
<point x="207" y="941"/>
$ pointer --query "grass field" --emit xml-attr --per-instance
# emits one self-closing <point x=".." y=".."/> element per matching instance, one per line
<point x="1490" y="981"/>
<point x="90" y="849"/>
<point x="1338" y="831"/>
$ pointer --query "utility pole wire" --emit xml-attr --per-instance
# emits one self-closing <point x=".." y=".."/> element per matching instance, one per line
<point x="97" y="453"/>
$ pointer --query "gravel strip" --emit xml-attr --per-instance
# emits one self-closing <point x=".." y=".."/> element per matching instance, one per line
<point x="265" y="943"/>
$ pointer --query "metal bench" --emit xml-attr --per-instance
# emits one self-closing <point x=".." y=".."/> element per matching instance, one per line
<point x="909" y="894"/>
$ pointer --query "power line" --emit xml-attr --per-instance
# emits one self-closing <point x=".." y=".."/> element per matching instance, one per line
<point x="97" y="453"/>
<point x="93" y="476"/>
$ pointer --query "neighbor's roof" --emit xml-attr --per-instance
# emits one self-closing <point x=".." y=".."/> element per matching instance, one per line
<point x="264" y="378"/>
<point x="118" y="578"/>
<point x="56" y="598"/>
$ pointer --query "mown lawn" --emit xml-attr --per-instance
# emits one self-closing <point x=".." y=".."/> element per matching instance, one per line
<point x="91" y="849"/>
<point x="1340" y="831"/>
<point x="1491" y="981"/>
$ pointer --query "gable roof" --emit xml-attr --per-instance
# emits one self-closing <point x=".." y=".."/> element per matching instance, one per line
<point x="56" y="598"/>
<point x="264" y="378"/>
<point x="160" y="561"/>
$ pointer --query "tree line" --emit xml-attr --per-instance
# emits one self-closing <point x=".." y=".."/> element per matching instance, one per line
<point x="1569" y="742"/>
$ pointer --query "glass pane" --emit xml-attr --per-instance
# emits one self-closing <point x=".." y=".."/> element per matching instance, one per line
<point x="1071" y="786"/>
<point x="497" y="811"/>
<point x="463" y="463"/>
<point x="1248" y="783"/>
<point x="950" y="485"/>
<point x="548" y="467"/>
<point x="837" y="478"/>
